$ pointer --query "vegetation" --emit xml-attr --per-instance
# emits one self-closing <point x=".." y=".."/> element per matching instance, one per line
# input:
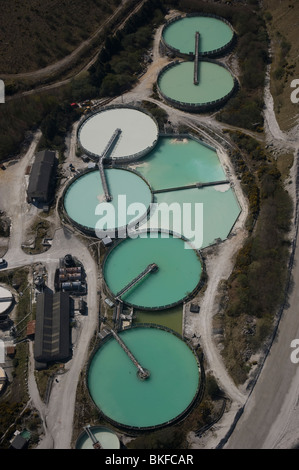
<point x="35" y="34"/>
<point x="255" y="288"/>
<point x="55" y="126"/>
<point x="245" y="108"/>
<point x="117" y="68"/>
<point x="283" y="34"/>
<point x="42" y="377"/>
<point x="204" y="414"/>
<point x="158" y="113"/>
<point x="40" y="230"/>
<point x="13" y="403"/>
<point x="19" y="117"/>
<point x="4" y="225"/>
<point x="122" y="58"/>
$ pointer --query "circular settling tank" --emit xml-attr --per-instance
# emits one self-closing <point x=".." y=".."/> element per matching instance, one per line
<point x="178" y="274"/>
<point x="84" y="199"/>
<point x="215" y="83"/>
<point x="6" y="299"/>
<point x="164" y="396"/>
<point x="2" y="379"/>
<point x="138" y="133"/>
<point x="214" y="34"/>
<point x="106" y="438"/>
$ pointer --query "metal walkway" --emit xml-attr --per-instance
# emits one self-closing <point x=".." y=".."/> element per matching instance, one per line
<point x="108" y="196"/>
<point x="142" y="372"/>
<point x="111" y="144"/>
<point x="107" y="151"/>
<point x="150" y="268"/>
<point x="95" y="442"/>
<point x="192" y="186"/>
<point x="196" y="62"/>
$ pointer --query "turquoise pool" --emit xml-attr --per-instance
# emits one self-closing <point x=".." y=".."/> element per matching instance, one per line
<point x="214" y="34"/>
<point x="86" y="193"/>
<point x="215" y="83"/>
<point x="124" y="398"/>
<point x="179" y="270"/>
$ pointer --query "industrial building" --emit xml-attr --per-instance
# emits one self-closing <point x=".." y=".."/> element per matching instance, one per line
<point x="20" y="440"/>
<point x="41" y="181"/>
<point x="52" y="328"/>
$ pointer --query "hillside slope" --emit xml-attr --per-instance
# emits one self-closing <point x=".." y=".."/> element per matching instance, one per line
<point x="36" y="33"/>
<point x="283" y="24"/>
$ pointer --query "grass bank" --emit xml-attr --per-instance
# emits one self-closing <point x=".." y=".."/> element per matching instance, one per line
<point x="250" y="298"/>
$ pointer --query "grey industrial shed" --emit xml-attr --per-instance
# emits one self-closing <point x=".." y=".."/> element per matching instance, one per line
<point x="42" y="177"/>
<point x="52" y="331"/>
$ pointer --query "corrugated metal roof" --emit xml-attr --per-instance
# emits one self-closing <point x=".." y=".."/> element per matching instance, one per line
<point x="52" y="332"/>
<point x="40" y="176"/>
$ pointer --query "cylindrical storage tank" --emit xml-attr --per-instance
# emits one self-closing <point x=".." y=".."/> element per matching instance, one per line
<point x="126" y="398"/>
<point x="6" y="299"/>
<point x="121" y="133"/>
<point x="216" y="35"/>
<point x="3" y="379"/>
<point x="178" y="277"/>
<point x="66" y="285"/>
<point x="74" y="270"/>
<point x="106" y="438"/>
<point x="76" y="285"/>
<point x="216" y="85"/>
<point x="74" y="277"/>
<point x="68" y="260"/>
<point x="86" y="207"/>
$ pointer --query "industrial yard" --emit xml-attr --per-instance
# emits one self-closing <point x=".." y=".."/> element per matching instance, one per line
<point x="85" y="365"/>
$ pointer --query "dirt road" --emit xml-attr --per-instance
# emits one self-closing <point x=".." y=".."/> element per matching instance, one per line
<point x="58" y="416"/>
<point x="48" y="73"/>
<point x="270" y="418"/>
<point x="53" y="69"/>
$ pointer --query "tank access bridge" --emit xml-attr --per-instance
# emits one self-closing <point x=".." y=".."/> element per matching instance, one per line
<point x="107" y="151"/>
<point x="196" y="61"/>
<point x="95" y="442"/>
<point x="141" y="371"/>
<point x="150" y="268"/>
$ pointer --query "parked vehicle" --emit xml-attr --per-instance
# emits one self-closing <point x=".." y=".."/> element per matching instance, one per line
<point x="3" y="263"/>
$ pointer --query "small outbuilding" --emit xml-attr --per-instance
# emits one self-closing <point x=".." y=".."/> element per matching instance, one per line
<point x="19" y="442"/>
<point x="107" y="241"/>
<point x="194" y="308"/>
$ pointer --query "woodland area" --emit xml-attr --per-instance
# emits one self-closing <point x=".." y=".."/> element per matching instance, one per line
<point x="255" y="289"/>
